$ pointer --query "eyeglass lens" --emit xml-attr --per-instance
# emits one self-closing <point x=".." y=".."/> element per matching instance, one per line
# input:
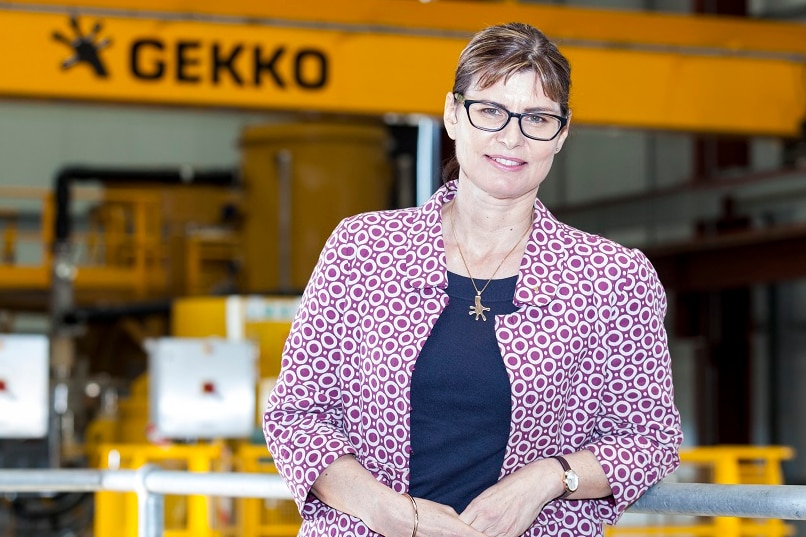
<point x="490" y="117"/>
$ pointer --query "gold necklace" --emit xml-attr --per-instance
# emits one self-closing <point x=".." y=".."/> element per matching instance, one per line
<point x="478" y="309"/>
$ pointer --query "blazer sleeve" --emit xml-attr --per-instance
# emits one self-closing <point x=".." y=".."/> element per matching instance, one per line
<point x="303" y="421"/>
<point x="637" y="432"/>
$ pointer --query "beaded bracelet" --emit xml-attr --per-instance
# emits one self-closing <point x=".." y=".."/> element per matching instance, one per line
<point x="416" y="514"/>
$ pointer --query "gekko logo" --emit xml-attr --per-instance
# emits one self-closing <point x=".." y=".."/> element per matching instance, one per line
<point x="85" y="48"/>
<point x="189" y="60"/>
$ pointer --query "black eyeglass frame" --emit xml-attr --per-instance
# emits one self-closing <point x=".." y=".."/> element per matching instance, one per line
<point x="467" y="102"/>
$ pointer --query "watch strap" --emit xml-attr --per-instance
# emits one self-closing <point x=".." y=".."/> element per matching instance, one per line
<point x="566" y="468"/>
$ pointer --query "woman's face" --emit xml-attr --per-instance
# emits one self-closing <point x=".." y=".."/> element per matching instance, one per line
<point x="504" y="164"/>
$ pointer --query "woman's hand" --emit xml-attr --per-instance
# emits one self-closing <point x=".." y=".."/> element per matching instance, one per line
<point x="510" y="507"/>
<point x="349" y="487"/>
<point x="434" y="520"/>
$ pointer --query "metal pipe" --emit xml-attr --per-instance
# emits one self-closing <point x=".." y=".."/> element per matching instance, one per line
<point x="236" y="485"/>
<point x="151" y="512"/>
<point x="150" y="506"/>
<point x="428" y="150"/>
<point x="285" y="197"/>
<point x="786" y="502"/>
<point x="183" y="175"/>
<point x="113" y="312"/>
<point x="65" y="480"/>
<point x="117" y="480"/>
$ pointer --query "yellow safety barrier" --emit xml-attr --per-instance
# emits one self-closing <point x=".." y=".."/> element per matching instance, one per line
<point x="257" y="517"/>
<point x="194" y="516"/>
<point x="732" y="465"/>
<point x="191" y="516"/>
<point x="740" y="464"/>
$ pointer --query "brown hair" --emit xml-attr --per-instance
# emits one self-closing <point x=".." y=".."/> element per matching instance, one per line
<point x="498" y="52"/>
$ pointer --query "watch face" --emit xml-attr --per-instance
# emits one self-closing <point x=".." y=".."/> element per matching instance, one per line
<point x="571" y="480"/>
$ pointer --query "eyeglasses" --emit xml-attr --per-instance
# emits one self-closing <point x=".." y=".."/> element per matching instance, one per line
<point x="492" y="117"/>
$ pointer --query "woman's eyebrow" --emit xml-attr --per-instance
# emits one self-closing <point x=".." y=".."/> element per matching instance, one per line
<point x="528" y="110"/>
<point x="540" y="109"/>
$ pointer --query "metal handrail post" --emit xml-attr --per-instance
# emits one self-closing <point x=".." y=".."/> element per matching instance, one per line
<point x="150" y="506"/>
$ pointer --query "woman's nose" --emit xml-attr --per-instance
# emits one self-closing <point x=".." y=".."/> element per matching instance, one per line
<point x="511" y="136"/>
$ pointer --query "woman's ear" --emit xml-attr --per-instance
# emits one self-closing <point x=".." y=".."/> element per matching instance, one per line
<point x="449" y="117"/>
<point x="563" y="134"/>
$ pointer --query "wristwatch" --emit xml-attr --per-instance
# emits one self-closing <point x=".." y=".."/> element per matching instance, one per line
<point x="570" y="477"/>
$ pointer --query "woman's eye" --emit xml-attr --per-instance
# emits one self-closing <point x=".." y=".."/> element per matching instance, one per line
<point x="534" y="119"/>
<point x="491" y="111"/>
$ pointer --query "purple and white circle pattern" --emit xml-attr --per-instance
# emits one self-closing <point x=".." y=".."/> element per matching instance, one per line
<point x="586" y="356"/>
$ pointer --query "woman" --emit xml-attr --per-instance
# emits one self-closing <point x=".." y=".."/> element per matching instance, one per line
<point x="473" y="366"/>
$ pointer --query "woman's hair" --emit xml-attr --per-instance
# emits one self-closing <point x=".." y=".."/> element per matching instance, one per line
<point x="498" y="52"/>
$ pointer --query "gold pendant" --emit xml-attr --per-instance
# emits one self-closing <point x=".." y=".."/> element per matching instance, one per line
<point x="478" y="309"/>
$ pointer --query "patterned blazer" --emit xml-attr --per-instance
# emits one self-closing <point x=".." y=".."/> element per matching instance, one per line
<point x="586" y="355"/>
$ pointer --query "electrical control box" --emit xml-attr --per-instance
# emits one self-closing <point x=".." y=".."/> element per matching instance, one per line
<point x="202" y="388"/>
<point x="24" y="386"/>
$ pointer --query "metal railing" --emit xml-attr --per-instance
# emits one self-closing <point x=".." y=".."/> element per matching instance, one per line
<point x="151" y="483"/>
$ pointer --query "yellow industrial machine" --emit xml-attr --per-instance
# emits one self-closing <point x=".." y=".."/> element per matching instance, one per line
<point x="301" y="180"/>
<point x="261" y="233"/>
<point x="153" y="259"/>
<point x="126" y="442"/>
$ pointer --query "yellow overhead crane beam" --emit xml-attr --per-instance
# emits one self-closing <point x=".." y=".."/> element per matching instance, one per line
<point x="642" y="70"/>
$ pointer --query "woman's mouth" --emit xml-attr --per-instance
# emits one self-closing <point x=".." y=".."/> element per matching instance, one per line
<point x="505" y="162"/>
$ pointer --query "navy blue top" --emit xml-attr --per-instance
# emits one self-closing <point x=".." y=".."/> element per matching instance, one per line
<point x="460" y="398"/>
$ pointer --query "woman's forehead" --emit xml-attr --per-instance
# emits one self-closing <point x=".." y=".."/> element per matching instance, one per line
<point x="524" y="87"/>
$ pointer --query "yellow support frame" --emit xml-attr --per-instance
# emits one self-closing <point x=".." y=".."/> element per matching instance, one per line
<point x="257" y="517"/>
<point x="642" y="70"/>
<point x="116" y="513"/>
<point x="728" y="465"/>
